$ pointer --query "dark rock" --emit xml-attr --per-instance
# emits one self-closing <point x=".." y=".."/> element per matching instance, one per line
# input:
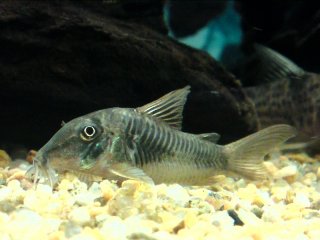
<point x="233" y="214"/>
<point x="63" y="59"/>
<point x="289" y="27"/>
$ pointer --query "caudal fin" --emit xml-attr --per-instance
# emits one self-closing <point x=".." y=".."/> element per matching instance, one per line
<point x="246" y="155"/>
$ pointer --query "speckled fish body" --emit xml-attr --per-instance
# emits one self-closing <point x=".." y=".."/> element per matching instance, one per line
<point x="147" y="144"/>
<point x="290" y="96"/>
<point x="294" y="101"/>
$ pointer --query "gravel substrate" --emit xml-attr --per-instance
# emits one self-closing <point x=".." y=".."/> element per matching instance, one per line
<point x="284" y="207"/>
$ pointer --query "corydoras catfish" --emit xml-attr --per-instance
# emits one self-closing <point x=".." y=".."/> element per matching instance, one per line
<point x="290" y="95"/>
<point x="146" y="144"/>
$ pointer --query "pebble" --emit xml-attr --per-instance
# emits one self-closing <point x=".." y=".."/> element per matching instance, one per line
<point x="285" y="207"/>
<point x="5" y="159"/>
<point x="114" y="228"/>
<point x="177" y="193"/>
<point x="286" y="172"/>
<point x="80" y="216"/>
<point x="273" y="214"/>
<point x="222" y="220"/>
<point x="302" y="200"/>
<point x="318" y="173"/>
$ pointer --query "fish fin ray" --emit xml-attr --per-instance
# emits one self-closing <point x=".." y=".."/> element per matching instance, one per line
<point x="270" y="65"/>
<point x="245" y="156"/>
<point x="168" y="108"/>
<point x="86" y="177"/>
<point x="127" y="171"/>
<point x="210" y="137"/>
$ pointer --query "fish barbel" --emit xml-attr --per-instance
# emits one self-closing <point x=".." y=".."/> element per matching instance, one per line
<point x="146" y="144"/>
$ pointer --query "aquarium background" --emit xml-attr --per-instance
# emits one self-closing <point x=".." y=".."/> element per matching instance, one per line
<point x="60" y="60"/>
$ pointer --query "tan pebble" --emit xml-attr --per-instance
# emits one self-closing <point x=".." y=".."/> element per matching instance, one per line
<point x="191" y="218"/>
<point x="164" y="235"/>
<point x="291" y="194"/>
<point x="217" y="203"/>
<point x="291" y="179"/>
<point x="131" y="185"/>
<point x="4" y="159"/>
<point x="58" y="235"/>
<point x="292" y="211"/>
<point x="271" y="168"/>
<point x="87" y="235"/>
<point x="65" y="185"/>
<point x="170" y="221"/>
<point x="17" y="174"/>
<point x="309" y="178"/>
<point x="247" y="193"/>
<point x="279" y="190"/>
<point x="261" y="198"/>
<point x="318" y="173"/>
<point x="108" y="189"/>
<point x="80" y="215"/>
<point x="301" y="158"/>
<point x="94" y="211"/>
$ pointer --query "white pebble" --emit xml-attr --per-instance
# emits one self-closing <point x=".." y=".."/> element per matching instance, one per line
<point x="287" y="171"/>
<point x="135" y="225"/>
<point x="114" y="228"/>
<point x="5" y="193"/>
<point x="222" y="220"/>
<point x="302" y="200"/>
<point x="178" y="193"/>
<point x="88" y="197"/>
<point x="84" y="198"/>
<point x="14" y="184"/>
<point x="272" y="213"/>
<point x="80" y="215"/>
<point x="247" y="217"/>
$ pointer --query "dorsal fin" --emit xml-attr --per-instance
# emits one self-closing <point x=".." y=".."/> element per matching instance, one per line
<point x="210" y="137"/>
<point x="168" y="108"/>
<point x="269" y="65"/>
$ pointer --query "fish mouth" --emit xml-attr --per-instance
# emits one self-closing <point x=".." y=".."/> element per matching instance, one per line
<point x="41" y="172"/>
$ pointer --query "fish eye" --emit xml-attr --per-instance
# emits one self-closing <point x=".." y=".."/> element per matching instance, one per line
<point x="88" y="133"/>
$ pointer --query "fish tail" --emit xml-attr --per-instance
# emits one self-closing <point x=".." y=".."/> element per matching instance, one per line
<point x="246" y="155"/>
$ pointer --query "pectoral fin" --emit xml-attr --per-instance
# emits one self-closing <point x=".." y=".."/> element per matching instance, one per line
<point x="130" y="172"/>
